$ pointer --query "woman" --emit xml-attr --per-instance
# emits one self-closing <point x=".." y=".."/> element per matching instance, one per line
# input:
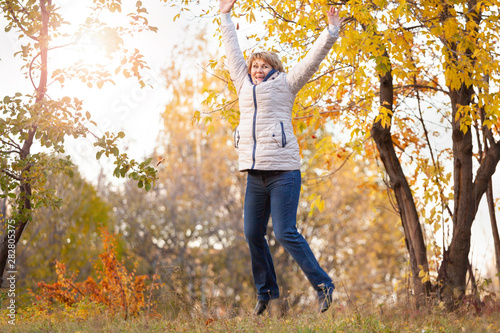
<point x="269" y="152"/>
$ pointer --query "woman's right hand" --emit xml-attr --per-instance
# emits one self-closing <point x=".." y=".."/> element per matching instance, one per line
<point x="225" y="6"/>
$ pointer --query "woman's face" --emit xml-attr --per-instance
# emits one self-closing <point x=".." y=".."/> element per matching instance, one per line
<point x="259" y="70"/>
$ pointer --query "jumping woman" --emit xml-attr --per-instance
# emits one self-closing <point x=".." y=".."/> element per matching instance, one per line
<point x="269" y="153"/>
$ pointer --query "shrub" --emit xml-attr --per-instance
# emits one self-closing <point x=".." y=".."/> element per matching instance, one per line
<point x="120" y="291"/>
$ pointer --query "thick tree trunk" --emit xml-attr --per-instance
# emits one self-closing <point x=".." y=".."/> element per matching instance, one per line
<point x="398" y="183"/>
<point x="467" y="196"/>
<point x="454" y="281"/>
<point x="467" y="192"/>
<point x="463" y="215"/>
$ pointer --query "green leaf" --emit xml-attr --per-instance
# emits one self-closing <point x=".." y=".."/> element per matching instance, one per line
<point x="124" y="170"/>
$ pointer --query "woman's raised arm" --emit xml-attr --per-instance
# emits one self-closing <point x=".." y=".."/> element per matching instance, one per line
<point x="301" y="73"/>
<point x="235" y="60"/>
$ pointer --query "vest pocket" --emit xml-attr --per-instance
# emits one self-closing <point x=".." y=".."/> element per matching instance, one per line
<point x="236" y="137"/>
<point x="279" y="134"/>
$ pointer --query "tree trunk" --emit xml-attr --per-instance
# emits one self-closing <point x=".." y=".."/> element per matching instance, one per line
<point x="24" y="208"/>
<point x="467" y="193"/>
<point x="467" y="196"/>
<point x="494" y="227"/>
<point x="454" y="281"/>
<point x="398" y="183"/>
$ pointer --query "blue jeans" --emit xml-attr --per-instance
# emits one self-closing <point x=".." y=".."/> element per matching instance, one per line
<point x="276" y="194"/>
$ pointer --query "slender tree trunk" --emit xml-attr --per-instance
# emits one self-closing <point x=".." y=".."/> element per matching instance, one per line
<point x="24" y="208"/>
<point x="494" y="227"/>
<point x="487" y="140"/>
<point x="398" y="183"/>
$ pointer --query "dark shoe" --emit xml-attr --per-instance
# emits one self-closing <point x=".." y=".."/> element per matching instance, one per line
<point x="325" y="297"/>
<point x="260" y="307"/>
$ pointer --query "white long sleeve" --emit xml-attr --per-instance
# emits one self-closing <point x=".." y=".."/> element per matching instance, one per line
<point x="225" y="18"/>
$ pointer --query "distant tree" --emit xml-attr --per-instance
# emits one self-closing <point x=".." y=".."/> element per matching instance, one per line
<point x="69" y="234"/>
<point x="34" y="124"/>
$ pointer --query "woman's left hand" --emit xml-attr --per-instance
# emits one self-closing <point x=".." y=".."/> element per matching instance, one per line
<point x="333" y="17"/>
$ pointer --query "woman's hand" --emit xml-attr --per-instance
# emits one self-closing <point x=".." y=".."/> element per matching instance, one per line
<point x="225" y="6"/>
<point x="333" y="17"/>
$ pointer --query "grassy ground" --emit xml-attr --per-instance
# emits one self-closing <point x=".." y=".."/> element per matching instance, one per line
<point x="382" y="319"/>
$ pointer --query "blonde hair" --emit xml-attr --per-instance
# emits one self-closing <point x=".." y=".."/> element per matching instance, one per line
<point x="270" y="57"/>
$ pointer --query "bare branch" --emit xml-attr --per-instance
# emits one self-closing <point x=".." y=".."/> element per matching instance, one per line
<point x="435" y="162"/>
<point x="12" y="144"/>
<point x="30" y="70"/>
<point x="228" y="105"/>
<point x="275" y="13"/>
<point x="213" y="75"/>
<point x="11" y="175"/>
<point x="421" y="86"/>
<point x="340" y="167"/>
<point x="326" y="73"/>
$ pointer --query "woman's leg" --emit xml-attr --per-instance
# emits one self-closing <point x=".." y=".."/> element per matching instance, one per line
<point x="284" y="189"/>
<point x="256" y="217"/>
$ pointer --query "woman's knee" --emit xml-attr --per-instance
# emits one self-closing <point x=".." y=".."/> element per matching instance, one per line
<point x="254" y="235"/>
<point x="285" y="237"/>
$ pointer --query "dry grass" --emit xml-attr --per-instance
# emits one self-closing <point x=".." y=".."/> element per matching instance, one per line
<point x="394" y="318"/>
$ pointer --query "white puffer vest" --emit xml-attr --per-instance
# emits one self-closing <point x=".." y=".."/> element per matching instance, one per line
<point x="265" y="137"/>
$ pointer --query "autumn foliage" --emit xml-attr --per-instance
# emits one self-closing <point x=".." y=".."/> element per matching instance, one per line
<point x="120" y="291"/>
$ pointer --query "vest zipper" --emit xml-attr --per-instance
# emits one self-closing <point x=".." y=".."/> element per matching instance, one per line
<point x="255" y="114"/>
<point x="253" y="127"/>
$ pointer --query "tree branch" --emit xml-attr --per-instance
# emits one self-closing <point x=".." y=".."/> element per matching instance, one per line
<point x="276" y="13"/>
<point x="11" y="175"/>
<point x="421" y="86"/>
<point x="485" y="172"/>
<point x="12" y="144"/>
<point x="336" y="170"/>
<point x="30" y="70"/>
<point x="19" y="25"/>
<point x="9" y="151"/>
